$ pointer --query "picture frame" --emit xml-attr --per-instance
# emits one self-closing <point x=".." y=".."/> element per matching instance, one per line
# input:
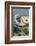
<point x="19" y="11"/>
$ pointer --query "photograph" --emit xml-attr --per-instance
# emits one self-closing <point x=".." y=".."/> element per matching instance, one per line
<point x="20" y="21"/>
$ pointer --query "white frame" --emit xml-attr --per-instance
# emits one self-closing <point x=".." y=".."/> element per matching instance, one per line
<point x="30" y="25"/>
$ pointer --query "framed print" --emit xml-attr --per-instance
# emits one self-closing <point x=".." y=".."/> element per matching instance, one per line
<point x="19" y="22"/>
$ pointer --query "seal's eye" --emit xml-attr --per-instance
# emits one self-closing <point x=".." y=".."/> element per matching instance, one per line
<point x="18" y="19"/>
<point x="26" y="20"/>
